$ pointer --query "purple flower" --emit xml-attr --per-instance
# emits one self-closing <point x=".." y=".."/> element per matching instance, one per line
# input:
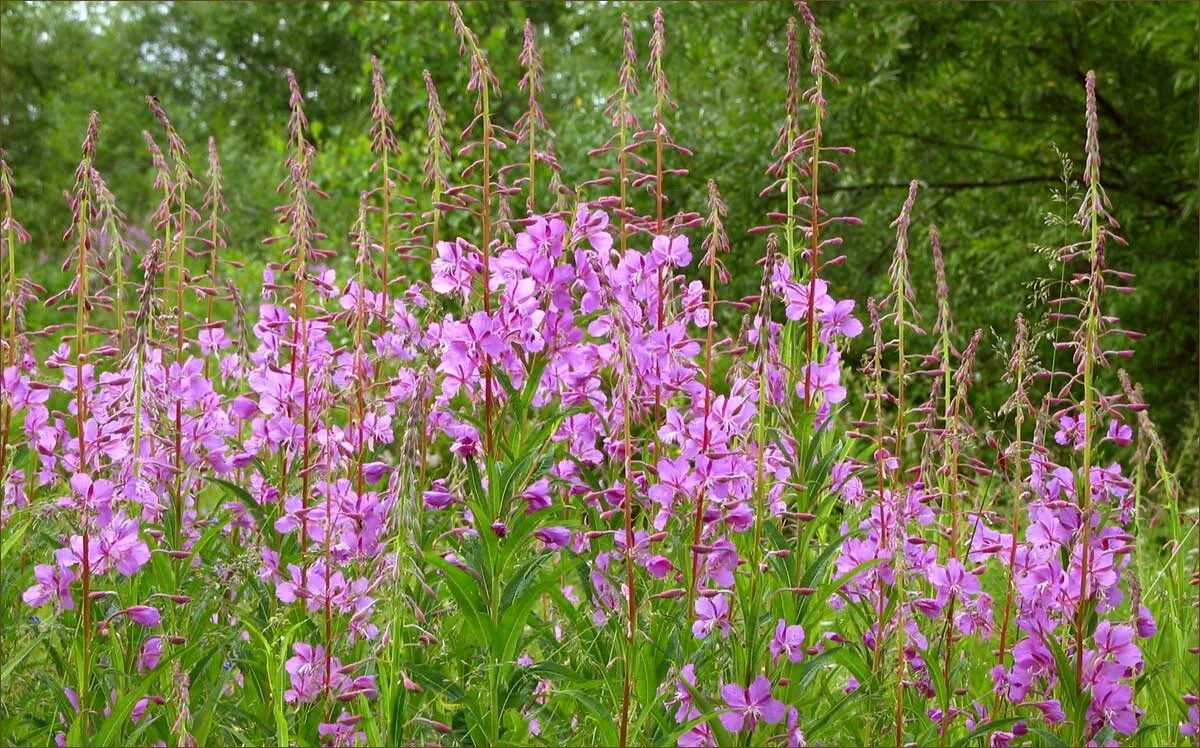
<point x="839" y="321"/>
<point x="212" y="339"/>
<point x="121" y="548"/>
<point x="672" y="251"/>
<point x="52" y="583"/>
<point x="1146" y="625"/>
<point x="711" y="612"/>
<point x="1117" y="642"/>
<point x="453" y="267"/>
<point x="1051" y="710"/>
<point x="553" y="537"/>
<point x="952" y="581"/>
<point x="700" y="736"/>
<point x="438" y="497"/>
<point x="795" y="738"/>
<point x="1071" y="431"/>
<point x="342" y="732"/>
<point x="789" y="640"/>
<point x="1112" y="703"/>
<point x="1191" y="728"/>
<point x="746" y="706"/>
<point x="305" y="671"/>
<point x="1119" y="433"/>
<point x="143" y="615"/>
<point x="149" y="654"/>
<point x="823" y="378"/>
<point x="593" y="225"/>
<point x="686" y="711"/>
<point x="721" y="563"/>
<point x="658" y="566"/>
<point x="537" y="496"/>
<point x="796" y="295"/>
<point x="92" y="496"/>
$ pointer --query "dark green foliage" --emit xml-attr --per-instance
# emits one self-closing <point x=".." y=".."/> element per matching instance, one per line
<point x="971" y="99"/>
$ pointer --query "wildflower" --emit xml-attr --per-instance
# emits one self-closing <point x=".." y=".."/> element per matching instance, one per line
<point x="711" y="612"/>
<point x="553" y="537"/>
<point x="1071" y="431"/>
<point x="684" y="684"/>
<point x="952" y="581"/>
<point x="149" y="654"/>
<point x="672" y="251"/>
<point x="1051" y="710"/>
<point x="212" y="340"/>
<point x="304" y="670"/>
<point x="1117" y="642"/>
<point x="592" y="225"/>
<point x="51" y="583"/>
<point x="1119" y="433"/>
<point x="794" y="737"/>
<point x="659" y="566"/>
<point x="453" y="267"/>
<point x="746" y="706"/>
<point x="121" y="548"/>
<point x="1146" y="625"/>
<point x="1191" y="727"/>
<point x="838" y="320"/>
<point x="700" y="736"/>
<point x="342" y="732"/>
<point x="1112" y="704"/>
<point x="824" y="378"/>
<point x="143" y="615"/>
<point x="437" y="497"/>
<point x="789" y="640"/>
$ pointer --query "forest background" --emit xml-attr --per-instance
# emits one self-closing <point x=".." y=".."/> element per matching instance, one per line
<point x="979" y="101"/>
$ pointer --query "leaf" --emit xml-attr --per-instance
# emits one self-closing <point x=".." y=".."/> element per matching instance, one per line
<point x="464" y="589"/>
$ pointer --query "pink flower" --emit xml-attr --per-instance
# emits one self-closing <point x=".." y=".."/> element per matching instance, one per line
<point x="1071" y="431"/>
<point x="149" y="654"/>
<point x="553" y="537"/>
<point x="1112" y="703"/>
<point x="143" y="615"/>
<point x="672" y="251"/>
<point x="342" y="732"/>
<point x="1119" y="433"/>
<point x="592" y="224"/>
<point x="839" y="321"/>
<point x="788" y="640"/>
<point x="1117" y="642"/>
<point x="746" y="706"/>
<point x="952" y="581"/>
<point x="453" y="267"/>
<point x="823" y="378"/>
<point x="52" y="583"/>
<point x="305" y="670"/>
<point x="711" y="612"/>
<point x="212" y="339"/>
<point x="686" y="681"/>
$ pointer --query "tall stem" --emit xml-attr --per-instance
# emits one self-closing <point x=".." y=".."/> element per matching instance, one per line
<point x="897" y="487"/>
<point x="1085" y="489"/>
<point x="486" y="209"/>
<point x="10" y="331"/>
<point x="81" y="357"/>
<point x="698" y="519"/>
<point x="387" y="219"/>
<point x="1014" y="528"/>
<point x="631" y="613"/>
<point x="180" y="257"/>
<point x="814" y="245"/>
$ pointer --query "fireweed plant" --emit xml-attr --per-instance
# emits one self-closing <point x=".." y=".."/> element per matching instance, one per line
<point x="536" y="482"/>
